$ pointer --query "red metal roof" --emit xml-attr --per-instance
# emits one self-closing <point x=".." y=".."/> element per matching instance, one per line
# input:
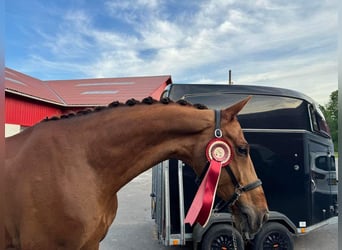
<point x="21" y="84"/>
<point x="85" y="92"/>
<point x="105" y="90"/>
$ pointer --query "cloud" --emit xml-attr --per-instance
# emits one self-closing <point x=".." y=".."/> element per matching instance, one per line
<point x="132" y="11"/>
<point x="290" y="44"/>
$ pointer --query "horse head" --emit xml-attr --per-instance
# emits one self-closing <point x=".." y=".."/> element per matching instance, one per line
<point x="239" y="186"/>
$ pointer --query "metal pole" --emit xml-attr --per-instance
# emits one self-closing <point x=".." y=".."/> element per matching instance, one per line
<point x="230" y="77"/>
<point x="181" y="202"/>
<point x="167" y="203"/>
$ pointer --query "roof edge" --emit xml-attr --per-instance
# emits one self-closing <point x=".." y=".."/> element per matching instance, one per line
<point x="33" y="97"/>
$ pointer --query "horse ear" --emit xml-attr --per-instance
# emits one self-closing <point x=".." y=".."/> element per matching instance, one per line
<point x="233" y="110"/>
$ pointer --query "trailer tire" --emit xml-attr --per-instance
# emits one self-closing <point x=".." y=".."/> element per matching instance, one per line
<point x="273" y="235"/>
<point x="220" y="236"/>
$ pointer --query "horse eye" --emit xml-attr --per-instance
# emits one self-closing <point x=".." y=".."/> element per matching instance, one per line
<point x="243" y="150"/>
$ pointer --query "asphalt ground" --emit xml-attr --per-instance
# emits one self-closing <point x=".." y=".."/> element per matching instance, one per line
<point x="133" y="227"/>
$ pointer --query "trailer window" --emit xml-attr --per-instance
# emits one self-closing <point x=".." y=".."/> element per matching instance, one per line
<point x="318" y="121"/>
<point x="262" y="111"/>
<point x="326" y="163"/>
<point x="322" y="124"/>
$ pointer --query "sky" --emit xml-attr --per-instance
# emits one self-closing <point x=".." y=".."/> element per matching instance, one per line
<point x="291" y="44"/>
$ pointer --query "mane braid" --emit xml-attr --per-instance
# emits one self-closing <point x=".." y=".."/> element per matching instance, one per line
<point x="184" y="102"/>
<point x="114" y="104"/>
<point x="149" y="100"/>
<point x="131" y="102"/>
<point x="85" y="111"/>
<point x="166" y="100"/>
<point x="200" y="106"/>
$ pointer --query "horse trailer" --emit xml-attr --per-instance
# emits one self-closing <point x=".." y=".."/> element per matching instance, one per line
<point x="293" y="155"/>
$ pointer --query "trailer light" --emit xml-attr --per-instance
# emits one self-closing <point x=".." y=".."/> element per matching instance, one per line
<point x="175" y="242"/>
<point x="332" y="182"/>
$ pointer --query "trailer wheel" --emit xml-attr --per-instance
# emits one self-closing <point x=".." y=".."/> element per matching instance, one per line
<point x="222" y="237"/>
<point x="273" y="235"/>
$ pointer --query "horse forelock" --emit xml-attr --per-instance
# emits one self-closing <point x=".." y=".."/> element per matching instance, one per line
<point x="130" y="103"/>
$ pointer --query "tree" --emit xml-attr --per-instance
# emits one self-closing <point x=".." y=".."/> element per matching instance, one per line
<point x="330" y="111"/>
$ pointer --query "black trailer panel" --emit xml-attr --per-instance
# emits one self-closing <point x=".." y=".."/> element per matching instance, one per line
<point x="294" y="185"/>
<point x="279" y="161"/>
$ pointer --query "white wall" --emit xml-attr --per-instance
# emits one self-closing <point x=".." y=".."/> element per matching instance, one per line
<point x="11" y="129"/>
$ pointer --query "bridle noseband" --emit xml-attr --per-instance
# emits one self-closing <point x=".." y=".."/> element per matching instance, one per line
<point x="239" y="189"/>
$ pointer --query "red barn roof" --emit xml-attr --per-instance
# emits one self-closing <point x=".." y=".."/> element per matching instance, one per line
<point x="105" y="90"/>
<point x="85" y="92"/>
<point x="24" y="85"/>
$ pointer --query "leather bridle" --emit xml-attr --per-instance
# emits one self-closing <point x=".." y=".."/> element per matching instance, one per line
<point x="238" y="188"/>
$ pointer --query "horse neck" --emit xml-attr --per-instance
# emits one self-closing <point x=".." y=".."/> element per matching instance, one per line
<point x="126" y="141"/>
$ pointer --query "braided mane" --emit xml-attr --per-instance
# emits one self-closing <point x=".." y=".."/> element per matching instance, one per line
<point x="130" y="102"/>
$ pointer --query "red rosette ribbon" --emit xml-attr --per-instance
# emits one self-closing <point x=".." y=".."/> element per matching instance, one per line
<point x="219" y="154"/>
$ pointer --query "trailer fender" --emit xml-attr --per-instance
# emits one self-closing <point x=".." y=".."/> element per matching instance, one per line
<point x="284" y="220"/>
<point x="216" y="218"/>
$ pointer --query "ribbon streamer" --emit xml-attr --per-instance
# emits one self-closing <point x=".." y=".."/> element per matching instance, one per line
<point x="203" y="202"/>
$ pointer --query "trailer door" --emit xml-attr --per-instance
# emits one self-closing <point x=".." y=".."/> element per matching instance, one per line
<point x="322" y="167"/>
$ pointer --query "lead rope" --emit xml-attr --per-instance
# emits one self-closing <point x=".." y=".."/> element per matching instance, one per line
<point x="234" y="236"/>
<point x="218" y="134"/>
<point x="234" y="241"/>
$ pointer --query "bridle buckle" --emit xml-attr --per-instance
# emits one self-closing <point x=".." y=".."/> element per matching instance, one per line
<point x="218" y="133"/>
<point x="238" y="190"/>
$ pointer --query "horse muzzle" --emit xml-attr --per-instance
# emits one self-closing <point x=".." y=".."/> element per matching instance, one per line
<point x="249" y="220"/>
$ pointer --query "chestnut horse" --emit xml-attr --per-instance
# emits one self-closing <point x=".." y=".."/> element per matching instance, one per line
<point x="62" y="175"/>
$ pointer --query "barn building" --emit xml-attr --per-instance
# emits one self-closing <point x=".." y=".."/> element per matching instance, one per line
<point x="29" y="100"/>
